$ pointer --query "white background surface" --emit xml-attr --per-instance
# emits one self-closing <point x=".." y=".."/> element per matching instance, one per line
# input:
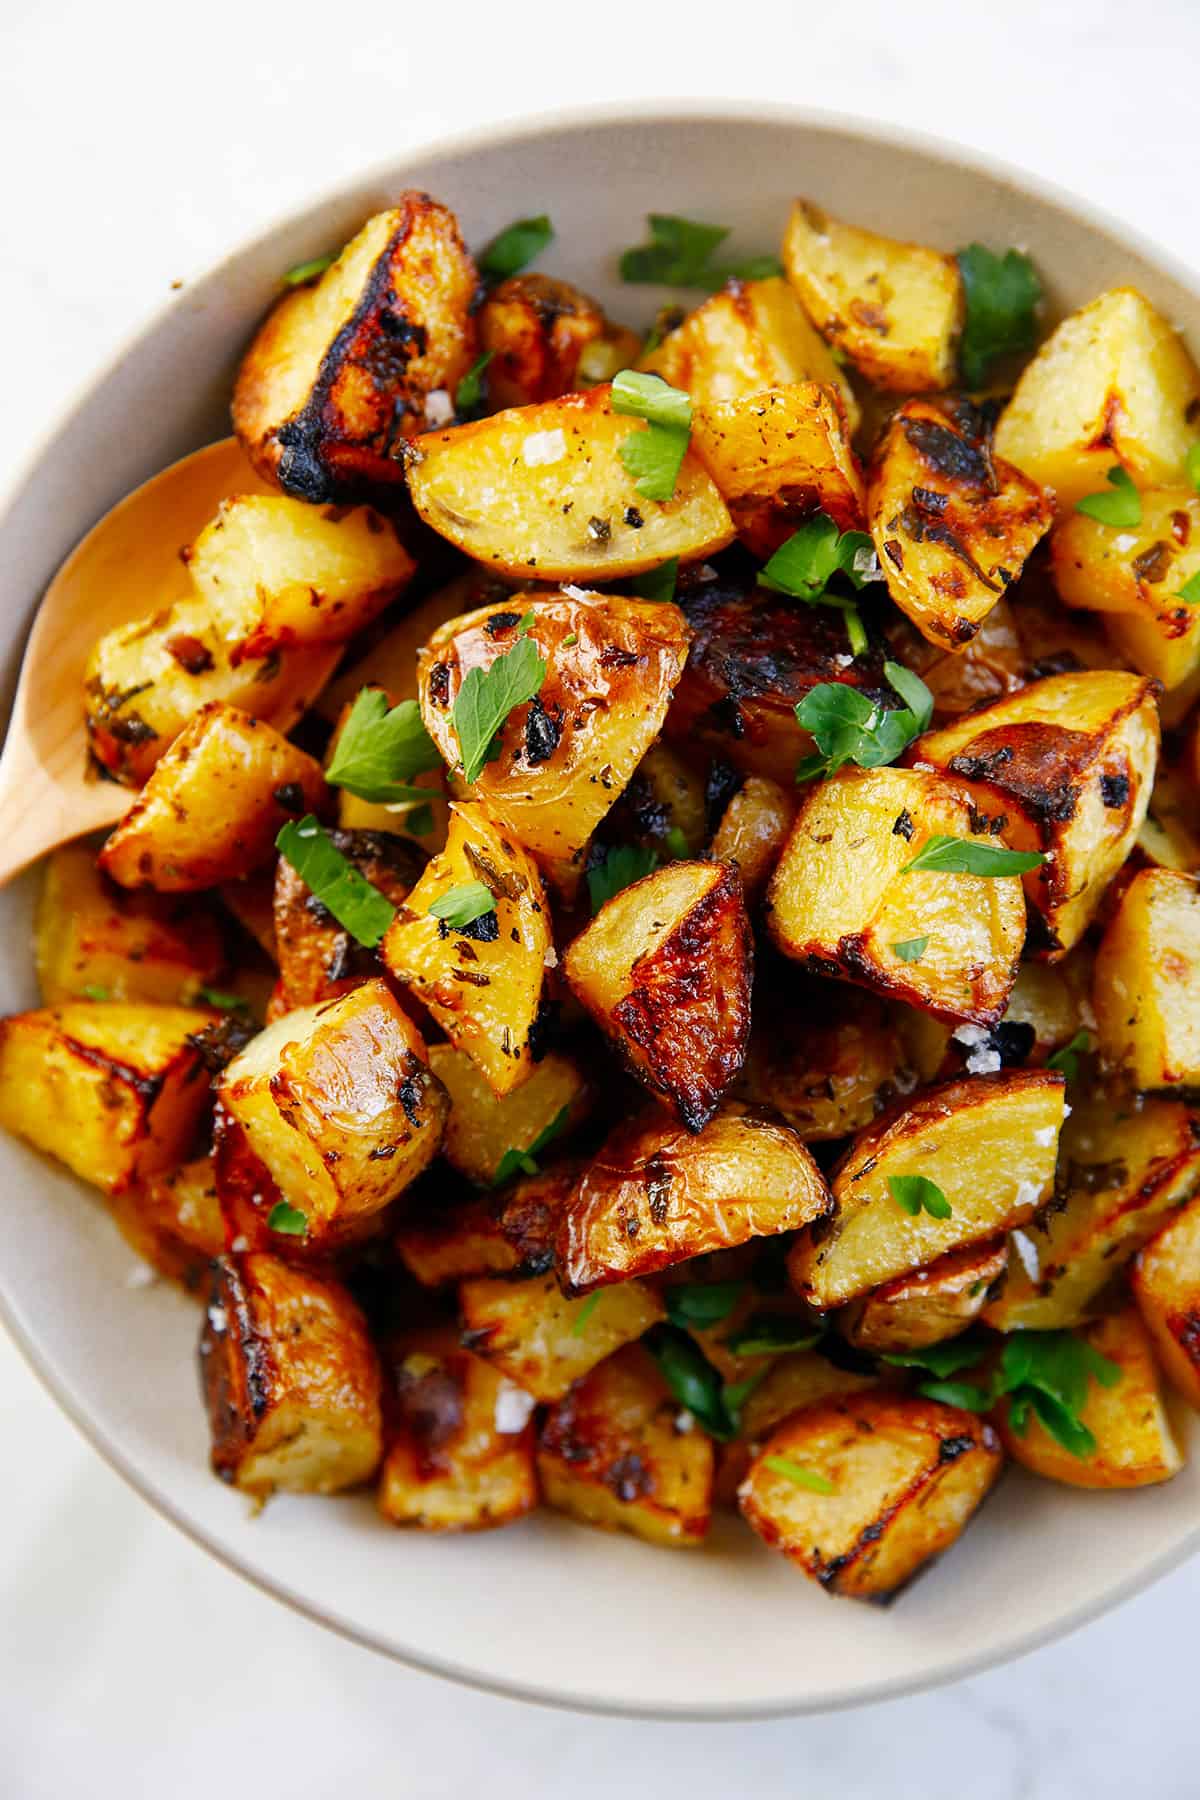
<point x="137" y="142"/>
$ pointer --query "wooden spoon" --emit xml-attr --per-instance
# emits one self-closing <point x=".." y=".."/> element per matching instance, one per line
<point x="127" y="567"/>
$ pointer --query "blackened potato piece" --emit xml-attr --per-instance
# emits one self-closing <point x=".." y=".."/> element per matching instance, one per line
<point x="318" y="959"/>
<point x="536" y="330"/>
<point x="507" y="1233"/>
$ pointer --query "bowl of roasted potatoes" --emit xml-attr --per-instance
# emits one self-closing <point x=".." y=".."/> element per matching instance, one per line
<point x="634" y="1032"/>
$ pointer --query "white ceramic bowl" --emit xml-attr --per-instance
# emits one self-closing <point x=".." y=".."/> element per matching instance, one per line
<point x="547" y="1610"/>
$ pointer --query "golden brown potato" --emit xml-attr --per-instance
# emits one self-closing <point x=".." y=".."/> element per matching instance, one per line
<point x="537" y="330"/>
<point x="1113" y="384"/>
<point x="952" y="524"/>
<point x="1147" y="983"/>
<point x="665" y="806"/>
<point x="114" y="1090"/>
<point x="318" y="959"/>
<point x="483" y="983"/>
<point x="290" y="1379"/>
<point x="861" y="1492"/>
<point x="826" y="1068"/>
<point x="1052" y="1000"/>
<point x="541" y="1339"/>
<point x="929" y="1305"/>
<point x="251" y="900"/>
<point x="665" y="969"/>
<point x="1134" y="578"/>
<point x="1170" y="832"/>
<point x="1135" y="1442"/>
<point x="94" y="942"/>
<point x="753" y="830"/>
<point x="341" y="373"/>
<point x="174" y="1222"/>
<point x="987" y="1142"/>
<point x="1068" y="764"/>
<point x="618" y="1452"/>
<point x="510" y="1232"/>
<point x="541" y="493"/>
<point x="1121" y="1171"/>
<point x="213" y="806"/>
<point x="487" y="1133"/>
<point x="611" y="667"/>
<point x="459" y="1451"/>
<point x="752" y="335"/>
<point x="894" y="309"/>
<point x="657" y="1194"/>
<point x="990" y="665"/>
<point x="779" y="456"/>
<point x="1166" y="1286"/>
<point x="333" y="1110"/>
<point x="799" y="1379"/>
<point x="840" y="900"/>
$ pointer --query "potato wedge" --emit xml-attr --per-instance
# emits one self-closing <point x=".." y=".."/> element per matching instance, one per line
<point x="541" y="1339"/>
<point x="1147" y="982"/>
<point x="545" y="338"/>
<point x="799" y="1379"/>
<point x="987" y="1141"/>
<point x="541" y="493"/>
<point x="825" y="1062"/>
<point x="342" y="372"/>
<point x="1134" y="578"/>
<point x="931" y="1304"/>
<point x="841" y="902"/>
<point x="510" y="1232"/>
<point x="482" y="986"/>
<point x="1166" y="1286"/>
<point x="616" y="1452"/>
<point x="894" y="309"/>
<point x="665" y="969"/>
<point x="317" y="958"/>
<point x="486" y="1133"/>
<point x="1068" y="763"/>
<point x="113" y="1090"/>
<point x="657" y="1194"/>
<point x="213" y="806"/>
<point x="174" y="1221"/>
<point x="753" y="830"/>
<point x="892" y="1481"/>
<point x="993" y="663"/>
<point x="952" y="524"/>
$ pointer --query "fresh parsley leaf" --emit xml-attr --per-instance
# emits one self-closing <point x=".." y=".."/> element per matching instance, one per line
<point x="735" y="1394"/>
<point x="912" y="949"/>
<point x="944" y="1359"/>
<point x="1001" y="295"/>
<point x="794" y="1471"/>
<point x="652" y="458"/>
<point x="469" y="392"/>
<point x="463" y="904"/>
<point x="585" y="1312"/>
<point x="814" y="554"/>
<point x="649" y="397"/>
<point x="92" y="992"/>
<point x="222" y="1001"/>
<point x="1123" y="507"/>
<point x="622" y="866"/>
<point x="960" y="856"/>
<point x="524" y="1162"/>
<point x="419" y="821"/>
<point x="914" y="1194"/>
<point x="308" y="271"/>
<point x="1190" y="591"/>
<point x="1067" y="1059"/>
<point x="1192" y="462"/>
<point x="571" y="638"/>
<point x="380" y="750"/>
<point x="966" y="1394"/>
<point x="657" y="584"/>
<point x="702" y="1303"/>
<point x="691" y="1378"/>
<point x="1048" y="1372"/>
<point x="849" y="726"/>
<point x="912" y="690"/>
<point x="767" y="1334"/>
<point x="514" y="248"/>
<point x="856" y="631"/>
<point x="287" y="1219"/>
<point x="677" y="844"/>
<point x="360" y="908"/>
<point x="487" y="696"/>
<point x="680" y="254"/>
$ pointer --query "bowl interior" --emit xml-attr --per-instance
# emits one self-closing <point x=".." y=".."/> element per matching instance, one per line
<point x="547" y="1609"/>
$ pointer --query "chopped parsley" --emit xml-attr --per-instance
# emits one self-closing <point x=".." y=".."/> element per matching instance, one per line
<point x="701" y="1304"/>
<point x="468" y="395"/>
<point x="959" y="856"/>
<point x="911" y="950"/>
<point x="1189" y="593"/>
<point x="463" y="904"/>
<point x="380" y="749"/>
<point x="514" y="248"/>
<point x="1066" y="1060"/>
<point x="794" y="1471"/>
<point x="653" y="457"/>
<point x="92" y="992"/>
<point x="487" y="696"/>
<point x="1192" y="464"/>
<point x="692" y="1379"/>
<point x="915" y="1194"/>
<point x="1122" y="507"/>
<point x="288" y="1220"/>
<point x="680" y="254"/>
<point x="1047" y="1373"/>
<point x="849" y="726"/>
<point x="308" y="271"/>
<point x="622" y="866"/>
<point x="355" y="904"/>
<point x="1001" y="295"/>
<point x="223" y="1001"/>
<point x="524" y="1162"/>
<point x="768" y="1334"/>
<point x="657" y="584"/>
<point x="585" y="1312"/>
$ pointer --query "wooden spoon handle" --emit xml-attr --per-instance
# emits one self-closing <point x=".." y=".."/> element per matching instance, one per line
<point x="37" y="812"/>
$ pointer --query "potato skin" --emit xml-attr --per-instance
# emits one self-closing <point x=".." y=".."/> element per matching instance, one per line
<point x="511" y="1231"/>
<point x="753" y="830"/>
<point x="1166" y="1286"/>
<point x="537" y="329"/>
<point x="1146" y="991"/>
<point x="318" y="959"/>
<point x="543" y="1340"/>
<point x="824" y="1061"/>
<point x="930" y="1305"/>
<point x="338" y="376"/>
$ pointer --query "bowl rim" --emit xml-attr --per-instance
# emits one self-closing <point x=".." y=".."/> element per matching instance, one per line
<point x="508" y="130"/>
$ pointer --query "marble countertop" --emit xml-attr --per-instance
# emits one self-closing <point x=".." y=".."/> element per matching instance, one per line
<point x="138" y="142"/>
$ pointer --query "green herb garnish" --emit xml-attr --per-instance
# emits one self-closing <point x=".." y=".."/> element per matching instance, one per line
<point x="657" y="584"/>
<point x="692" y="1379"/>
<point x="622" y="866"/>
<point x="1001" y="295"/>
<point x="680" y="254"/>
<point x="653" y="457"/>
<point x="92" y="992"/>
<point x="677" y="844"/>
<point x="702" y="1303"/>
<point x="379" y="750"/>
<point x="943" y="1359"/>
<point x="487" y="696"/>
<point x="1067" y="1059"/>
<point x="1189" y="593"/>
<point x="287" y="1219"/>
<point x="514" y="248"/>
<point x="223" y="1001"/>
<point x="463" y="904"/>
<point x="1047" y="1372"/>
<point x="769" y="1334"/>
<point x="793" y="1471"/>
<point x="959" y="856"/>
<point x="849" y="726"/>
<point x="308" y="271"/>
<point x="469" y="393"/>
<point x="912" y="949"/>
<point x="915" y="1194"/>
<point x="1192" y="464"/>
<point x="1122" y="507"/>
<point x="524" y="1162"/>
<point x="649" y="397"/>
<point x="585" y="1312"/>
<point x="814" y="554"/>
<point x="355" y="904"/>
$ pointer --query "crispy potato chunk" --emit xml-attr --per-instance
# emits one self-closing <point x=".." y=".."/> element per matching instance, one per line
<point x="318" y="959"/>
<point x="482" y="985"/>
<point x="666" y="800"/>
<point x="541" y="1339"/>
<point x="1121" y="1172"/>
<point x="799" y="1379"/>
<point x="342" y="373"/>
<point x="894" y="309"/>
<point x="657" y="1194"/>
<point x="541" y="493"/>
<point x="779" y="456"/>
<point x="174" y="1222"/>
<point x="92" y="941"/>
<point x="1147" y="983"/>
<point x="901" y="1478"/>
<point x="617" y="1453"/>
<point x="952" y="524"/>
<point x="991" y="664"/>
<point x="331" y="1109"/>
<point x="290" y="1380"/>
<point x="1135" y="1442"/>
<point x="1134" y="578"/>
<point x="538" y="331"/>
<point x="611" y="667"/>
<point x="1068" y="763"/>
<point x="987" y="1141"/>
<point x="841" y="902"/>
<point x="1113" y="383"/>
<point x="213" y="806"/>
<point x="930" y="1305"/>
<point x="483" y="1128"/>
<point x="460" y="1443"/>
<point x="1166" y="1286"/>
<point x="511" y="1232"/>
<point x="1170" y="832"/>
<point x="114" y="1090"/>
<point x="752" y="335"/>
<point x="665" y="968"/>
<point x="753" y="830"/>
<point x="825" y="1069"/>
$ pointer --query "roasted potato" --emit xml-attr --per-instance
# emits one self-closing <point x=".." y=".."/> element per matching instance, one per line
<point x="1170" y="833"/>
<point x="541" y="1339"/>
<point x="341" y="373"/>
<point x="665" y="807"/>
<point x="665" y="968"/>
<point x="545" y="337"/>
<point x="618" y="1452"/>
<point x="541" y="493"/>
<point x="510" y="1232"/>
<point x="483" y="983"/>
<point x="928" y="1305"/>
<point x="290" y="1379"/>
<point x="1134" y="578"/>
<point x="826" y="1069"/>
<point x="318" y="959"/>
<point x="991" y="664"/>
<point x="861" y="1492"/>
<point x="657" y="1194"/>
<point x="213" y="806"/>
<point x="753" y="830"/>
<point x="114" y="1090"/>
<point x="1166" y="1286"/>
<point x="1147" y="982"/>
<point x="952" y="524"/>
<point x="1068" y="764"/>
<point x="798" y="1379"/>
<point x="485" y="1132"/>
<point x="987" y="1142"/>
<point x="174" y="1222"/>
<point x="841" y="902"/>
